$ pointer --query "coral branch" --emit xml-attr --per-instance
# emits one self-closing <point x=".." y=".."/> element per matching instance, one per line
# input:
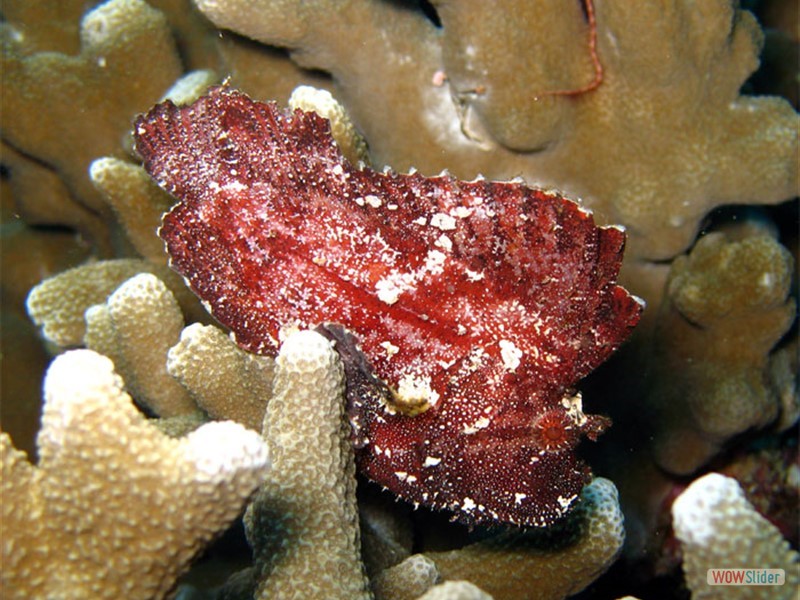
<point x="719" y="528"/>
<point x="303" y="523"/>
<point x="115" y="508"/>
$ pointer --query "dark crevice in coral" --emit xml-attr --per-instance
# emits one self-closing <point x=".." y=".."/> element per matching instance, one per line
<point x="624" y="579"/>
<point x="430" y="12"/>
<point x="422" y="6"/>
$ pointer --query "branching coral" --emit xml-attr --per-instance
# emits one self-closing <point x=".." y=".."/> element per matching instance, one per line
<point x="728" y="305"/>
<point x="136" y="200"/>
<point x="135" y="328"/>
<point x="306" y="510"/>
<point x="408" y="579"/>
<point x="303" y="523"/>
<point x="224" y="380"/>
<point x="120" y="41"/>
<point x="718" y="528"/>
<point x="473" y="88"/>
<point x="114" y="507"/>
<point x="58" y="304"/>
<point x="348" y="139"/>
<point x="170" y="370"/>
<point x="512" y="566"/>
<point x="455" y="590"/>
<point x="25" y="258"/>
<point x="43" y="29"/>
<point x="656" y="146"/>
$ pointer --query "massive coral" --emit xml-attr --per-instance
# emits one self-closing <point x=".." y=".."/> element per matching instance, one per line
<point x="656" y="146"/>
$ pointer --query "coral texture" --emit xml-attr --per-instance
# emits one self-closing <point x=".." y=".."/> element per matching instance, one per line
<point x="136" y="327"/>
<point x="455" y="590"/>
<point x="680" y="120"/>
<point x="115" y="508"/>
<point x="349" y="140"/>
<point x="407" y="580"/>
<point x="504" y="89"/>
<point x="510" y="566"/>
<point x="224" y="380"/>
<point x="303" y="523"/>
<point x="117" y="38"/>
<point x="136" y="201"/>
<point x="59" y="303"/>
<point x="728" y="305"/>
<point x="719" y="528"/>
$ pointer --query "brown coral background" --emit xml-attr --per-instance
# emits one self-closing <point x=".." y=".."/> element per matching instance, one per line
<point x="690" y="142"/>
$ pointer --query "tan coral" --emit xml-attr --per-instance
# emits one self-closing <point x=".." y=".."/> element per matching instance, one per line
<point x="195" y="37"/>
<point x="128" y="59"/>
<point x="115" y="509"/>
<point x="44" y="26"/>
<point x="26" y="255"/>
<point x="191" y="86"/>
<point x="137" y="202"/>
<point x="406" y="580"/>
<point x="303" y="523"/>
<point x="421" y="96"/>
<point x="262" y="72"/>
<point x="719" y="528"/>
<point x="392" y="65"/>
<point x="514" y="566"/>
<point x="518" y="102"/>
<point x="322" y="102"/>
<point x="455" y="590"/>
<point x="224" y="380"/>
<point x="41" y="197"/>
<point x="136" y="327"/>
<point x="728" y="305"/>
<point x="387" y="535"/>
<point x="58" y="303"/>
<point x="658" y="144"/>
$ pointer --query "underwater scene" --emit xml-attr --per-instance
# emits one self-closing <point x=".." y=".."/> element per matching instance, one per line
<point x="399" y="299"/>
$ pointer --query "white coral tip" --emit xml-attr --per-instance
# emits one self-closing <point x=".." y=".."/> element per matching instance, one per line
<point x="224" y="447"/>
<point x="695" y="511"/>
<point x="304" y="346"/>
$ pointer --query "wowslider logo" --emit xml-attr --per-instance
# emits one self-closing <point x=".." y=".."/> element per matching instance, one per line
<point x="746" y="577"/>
